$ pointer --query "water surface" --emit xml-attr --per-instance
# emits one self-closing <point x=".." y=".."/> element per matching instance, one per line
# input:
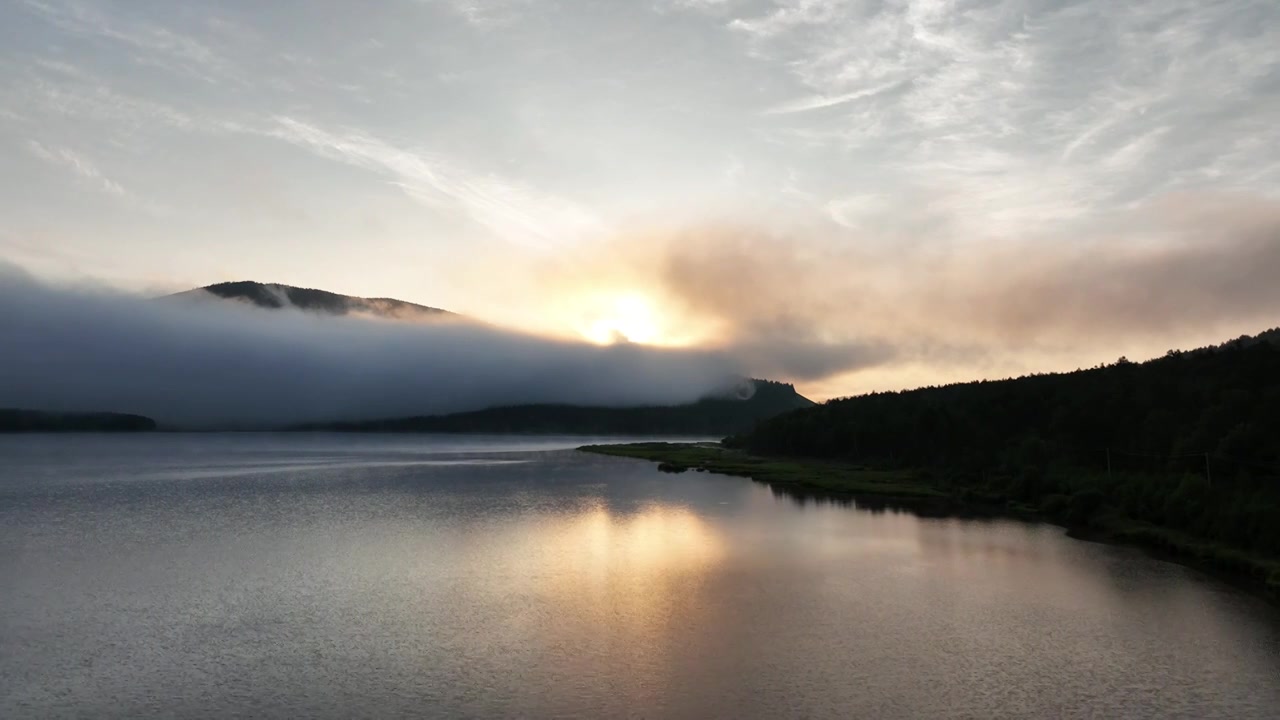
<point x="394" y="576"/>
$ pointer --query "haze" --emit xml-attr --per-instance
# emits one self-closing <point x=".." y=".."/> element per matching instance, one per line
<point x="855" y="195"/>
<point x="200" y="363"/>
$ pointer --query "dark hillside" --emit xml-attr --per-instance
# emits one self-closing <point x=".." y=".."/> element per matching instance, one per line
<point x="709" y="416"/>
<point x="274" y="296"/>
<point x="13" y="420"/>
<point x="1189" y="441"/>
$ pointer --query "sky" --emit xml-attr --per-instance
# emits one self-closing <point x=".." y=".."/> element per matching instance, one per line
<point x="851" y="194"/>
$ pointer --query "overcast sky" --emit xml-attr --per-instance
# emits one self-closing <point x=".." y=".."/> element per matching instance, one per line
<point x="934" y="175"/>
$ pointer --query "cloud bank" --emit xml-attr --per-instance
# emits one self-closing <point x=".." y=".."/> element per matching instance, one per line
<point x="811" y="305"/>
<point x="210" y="363"/>
<point x="1180" y="264"/>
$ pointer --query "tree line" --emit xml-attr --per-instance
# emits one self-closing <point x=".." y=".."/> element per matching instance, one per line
<point x="710" y="416"/>
<point x="1189" y="441"/>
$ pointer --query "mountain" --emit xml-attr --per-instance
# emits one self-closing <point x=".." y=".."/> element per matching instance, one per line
<point x="713" y="415"/>
<point x="716" y="415"/>
<point x="275" y="295"/>
<point x="14" y="420"/>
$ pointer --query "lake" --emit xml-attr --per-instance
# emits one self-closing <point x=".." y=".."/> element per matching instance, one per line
<point x="277" y="575"/>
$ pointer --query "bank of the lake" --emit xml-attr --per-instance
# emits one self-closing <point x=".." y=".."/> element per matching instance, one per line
<point x="913" y="491"/>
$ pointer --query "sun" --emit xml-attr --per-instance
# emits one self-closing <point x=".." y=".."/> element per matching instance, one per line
<point x="627" y="317"/>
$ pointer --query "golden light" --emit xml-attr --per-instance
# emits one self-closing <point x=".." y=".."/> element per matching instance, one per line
<point x="628" y="317"/>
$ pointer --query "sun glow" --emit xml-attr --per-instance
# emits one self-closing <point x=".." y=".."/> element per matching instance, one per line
<point x="623" y="318"/>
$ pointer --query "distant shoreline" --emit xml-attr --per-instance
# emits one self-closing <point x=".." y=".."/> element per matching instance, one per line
<point x="910" y="491"/>
<point x="14" y="420"/>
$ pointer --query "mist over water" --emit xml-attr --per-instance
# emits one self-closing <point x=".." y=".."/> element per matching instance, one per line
<point x="193" y="363"/>
<point x="316" y="575"/>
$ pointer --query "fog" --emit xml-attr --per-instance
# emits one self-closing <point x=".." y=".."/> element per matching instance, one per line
<point x="839" y="313"/>
<point x="894" y="310"/>
<point x="211" y="363"/>
<point x="1173" y="269"/>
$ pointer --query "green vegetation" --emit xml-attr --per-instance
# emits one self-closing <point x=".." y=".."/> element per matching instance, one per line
<point x="1181" y="453"/>
<point x="14" y="421"/>
<point x="709" y="416"/>
<point x="833" y="478"/>
<point x="1086" y="512"/>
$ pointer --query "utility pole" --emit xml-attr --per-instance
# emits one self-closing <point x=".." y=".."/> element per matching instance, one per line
<point x="1208" y="477"/>
<point x="1108" y="463"/>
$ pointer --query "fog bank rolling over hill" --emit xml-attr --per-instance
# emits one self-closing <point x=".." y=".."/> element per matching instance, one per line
<point x="220" y="364"/>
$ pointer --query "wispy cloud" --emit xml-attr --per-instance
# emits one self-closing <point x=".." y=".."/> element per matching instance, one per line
<point x="75" y="93"/>
<point x="818" y="102"/>
<point x="487" y="13"/>
<point x="1016" y="105"/>
<point x="81" y="166"/>
<point x="709" y="6"/>
<point x="153" y="44"/>
<point x="792" y="14"/>
<point x="510" y="210"/>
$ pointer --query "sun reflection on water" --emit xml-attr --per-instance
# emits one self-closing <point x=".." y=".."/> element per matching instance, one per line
<point x="627" y="584"/>
<point x="657" y="541"/>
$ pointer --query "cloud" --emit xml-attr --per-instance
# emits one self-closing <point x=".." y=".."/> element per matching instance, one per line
<point x="1207" y="262"/>
<point x="78" y="164"/>
<point x="811" y="305"/>
<point x="790" y="15"/>
<point x="819" y="102"/>
<point x="705" y="6"/>
<point x="488" y="13"/>
<point x="761" y="292"/>
<point x="1026" y="111"/>
<point x="924" y="179"/>
<point x="510" y="210"/>
<point x="151" y="44"/>
<point x="89" y="174"/>
<point x="94" y="100"/>
<point x="212" y="363"/>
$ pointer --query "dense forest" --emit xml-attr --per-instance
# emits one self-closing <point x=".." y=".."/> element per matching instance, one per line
<point x="712" y="416"/>
<point x="13" y="420"/>
<point x="1188" y="442"/>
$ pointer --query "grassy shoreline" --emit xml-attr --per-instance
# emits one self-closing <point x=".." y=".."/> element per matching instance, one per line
<point x="911" y="491"/>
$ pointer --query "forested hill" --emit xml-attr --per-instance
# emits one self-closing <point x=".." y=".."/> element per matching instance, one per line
<point x="1190" y="441"/>
<point x="275" y="296"/>
<point x="1222" y="400"/>
<point x="15" y="420"/>
<point x="709" y="416"/>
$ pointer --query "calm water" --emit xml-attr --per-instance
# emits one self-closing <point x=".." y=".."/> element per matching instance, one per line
<point x="376" y="576"/>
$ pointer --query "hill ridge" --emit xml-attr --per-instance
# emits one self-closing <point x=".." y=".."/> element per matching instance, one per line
<point x="274" y="296"/>
<point x="716" y="414"/>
